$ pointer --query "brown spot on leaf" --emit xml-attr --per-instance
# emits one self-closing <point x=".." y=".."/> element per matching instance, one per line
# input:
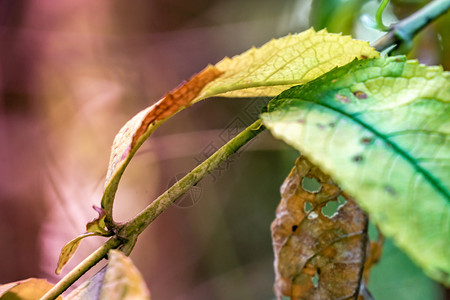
<point x="360" y="95"/>
<point x="366" y="140"/>
<point x="179" y="97"/>
<point x="341" y="98"/>
<point x="323" y="258"/>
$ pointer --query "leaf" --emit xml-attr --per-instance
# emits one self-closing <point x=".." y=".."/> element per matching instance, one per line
<point x="96" y="227"/>
<point x="138" y="129"/>
<point x="28" y="289"/>
<point x="119" y="280"/>
<point x="98" y="224"/>
<point x="282" y="63"/>
<point x="380" y="128"/>
<point x="317" y="256"/>
<point x="265" y="71"/>
<point x="69" y="250"/>
<point x="334" y="14"/>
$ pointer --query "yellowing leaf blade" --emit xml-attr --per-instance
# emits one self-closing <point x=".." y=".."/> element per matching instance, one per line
<point x="28" y="289"/>
<point x="263" y="71"/>
<point x="119" y="280"/>
<point x="69" y="250"/>
<point x="282" y="63"/>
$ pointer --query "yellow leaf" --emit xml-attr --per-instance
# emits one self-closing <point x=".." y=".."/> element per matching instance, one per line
<point x="69" y="250"/>
<point x="119" y="280"/>
<point x="28" y="289"/>
<point x="265" y="71"/>
<point x="285" y="62"/>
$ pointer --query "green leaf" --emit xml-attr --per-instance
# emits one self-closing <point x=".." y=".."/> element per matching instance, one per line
<point x="69" y="250"/>
<point x="98" y="224"/>
<point x="380" y="128"/>
<point x="266" y="71"/>
<point x="119" y="280"/>
<point x="28" y="289"/>
<point x="334" y="14"/>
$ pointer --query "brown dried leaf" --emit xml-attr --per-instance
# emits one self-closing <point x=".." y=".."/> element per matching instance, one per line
<point x="316" y="256"/>
<point x="374" y="252"/>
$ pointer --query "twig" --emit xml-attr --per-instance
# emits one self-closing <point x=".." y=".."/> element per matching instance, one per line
<point x="151" y="212"/>
<point x="130" y="231"/>
<point x="82" y="268"/>
<point x="406" y="29"/>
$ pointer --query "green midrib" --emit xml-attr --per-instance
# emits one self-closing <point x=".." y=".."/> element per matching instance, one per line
<point x="434" y="182"/>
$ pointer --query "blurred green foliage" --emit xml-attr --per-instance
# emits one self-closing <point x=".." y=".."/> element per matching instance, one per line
<point x="335" y="15"/>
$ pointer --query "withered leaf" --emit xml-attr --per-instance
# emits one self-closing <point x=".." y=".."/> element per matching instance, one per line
<point x="317" y="256"/>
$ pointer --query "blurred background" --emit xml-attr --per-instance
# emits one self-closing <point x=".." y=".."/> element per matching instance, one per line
<point x="73" y="72"/>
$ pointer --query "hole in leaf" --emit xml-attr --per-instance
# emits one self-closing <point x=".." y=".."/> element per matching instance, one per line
<point x="308" y="206"/>
<point x="341" y="200"/>
<point x="333" y="206"/>
<point x="315" y="278"/>
<point x="311" y="185"/>
<point x="294" y="228"/>
<point x="330" y="208"/>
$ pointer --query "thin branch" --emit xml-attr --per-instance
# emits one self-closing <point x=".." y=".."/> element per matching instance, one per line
<point x="130" y="231"/>
<point x="151" y="212"/>
<point x="82" y="268"/>
<point x="405" y="30"/>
